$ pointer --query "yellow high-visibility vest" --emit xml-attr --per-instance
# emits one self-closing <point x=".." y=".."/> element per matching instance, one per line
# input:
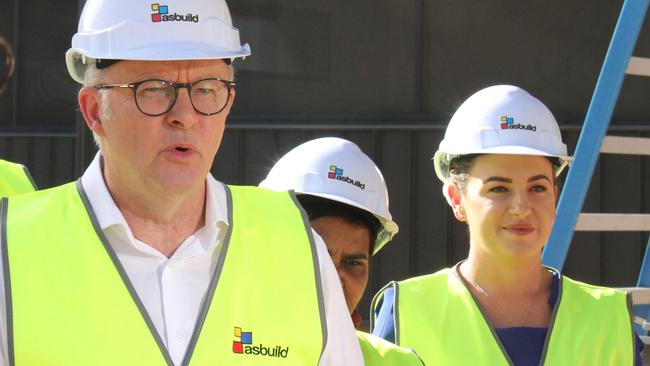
<point x="378" y="352"/>
<point x="438" y="317"/>
<point x="14" y="179"/>
<point x="71" y="302"/>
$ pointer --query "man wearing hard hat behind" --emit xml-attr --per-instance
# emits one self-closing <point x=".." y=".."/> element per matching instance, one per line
<point x="346" y="199"/>
<point x="147" y="259"/>
<point x="14" y="178"/>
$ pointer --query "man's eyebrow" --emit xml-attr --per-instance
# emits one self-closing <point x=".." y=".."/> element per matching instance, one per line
<point x="538" y="177"/>
<point x="356" y="256"/>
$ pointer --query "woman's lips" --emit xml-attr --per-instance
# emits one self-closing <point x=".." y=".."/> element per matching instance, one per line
<point x="519" y="229"/>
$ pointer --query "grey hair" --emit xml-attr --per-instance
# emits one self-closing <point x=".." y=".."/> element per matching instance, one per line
<point x="94" y="76"/>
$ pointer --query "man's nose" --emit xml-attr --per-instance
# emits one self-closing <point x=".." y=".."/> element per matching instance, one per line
<point x="182" y="115"/>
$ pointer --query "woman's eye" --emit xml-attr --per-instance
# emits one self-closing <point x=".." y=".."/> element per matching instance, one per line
<point x="498" y="189"/>
<point x="539" y="188"/>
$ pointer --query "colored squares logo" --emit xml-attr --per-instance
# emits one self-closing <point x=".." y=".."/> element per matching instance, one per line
<point x="244" y="338"/>
<point x="158" y="10"/>
<point x="334" y="171"/>
<point x="505" y="121"/>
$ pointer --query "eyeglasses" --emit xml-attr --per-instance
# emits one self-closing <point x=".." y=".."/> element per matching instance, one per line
<point x="156" y="97"/>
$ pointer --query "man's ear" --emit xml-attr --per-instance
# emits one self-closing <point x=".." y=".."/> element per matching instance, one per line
<point x="455" y="199"/>
<point x="90" y="105"/>
<point x="231" y="100"/>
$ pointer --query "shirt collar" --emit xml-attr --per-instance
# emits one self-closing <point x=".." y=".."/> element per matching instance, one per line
<point x="108" y="214"/>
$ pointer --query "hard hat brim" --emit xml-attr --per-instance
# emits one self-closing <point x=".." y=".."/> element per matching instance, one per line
<point x="78" y="60"/>
<point x="442" y="158"/>
<point x="389" y="227"/>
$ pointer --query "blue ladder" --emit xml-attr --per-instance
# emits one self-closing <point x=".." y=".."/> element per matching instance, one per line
<point x="592" y="141"/>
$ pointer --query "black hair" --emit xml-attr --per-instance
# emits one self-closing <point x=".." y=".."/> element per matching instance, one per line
<point x="460" y="166"/>
<point x="320" y="207"/>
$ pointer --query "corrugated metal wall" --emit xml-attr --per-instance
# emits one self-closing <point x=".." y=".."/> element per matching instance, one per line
<point x="382" y="73"/>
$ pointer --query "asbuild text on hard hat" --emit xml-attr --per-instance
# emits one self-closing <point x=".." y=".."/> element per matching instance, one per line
<point x="336" y="173"/>
<point x="161" y="14"/>
<point x="508" y="123"/>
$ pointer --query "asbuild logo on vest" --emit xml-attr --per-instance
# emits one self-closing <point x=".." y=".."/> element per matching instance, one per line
<point x="337" y="173"/>
<point x="244" y="344"/>
<point x="161" y="14"/>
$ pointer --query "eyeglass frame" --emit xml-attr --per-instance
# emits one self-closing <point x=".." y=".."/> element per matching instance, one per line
<point x="134" y="86"/>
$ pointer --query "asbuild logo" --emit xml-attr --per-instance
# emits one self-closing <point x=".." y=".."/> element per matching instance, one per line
<point x="508" y="123"/>
<point x="161" y="14"/>
<point x="243" y="344"/>
<point x="337" y="173"/>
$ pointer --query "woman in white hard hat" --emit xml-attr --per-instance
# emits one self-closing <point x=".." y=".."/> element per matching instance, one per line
<point x="499" y="161"/>
<point x="346" y="199"/>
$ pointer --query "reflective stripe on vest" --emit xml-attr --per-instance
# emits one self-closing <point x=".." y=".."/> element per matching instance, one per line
<point x="14" y="179"/>
<point x="378" y="352"/>
<point x="439" y="318"/>
<point x="69" y="301"/>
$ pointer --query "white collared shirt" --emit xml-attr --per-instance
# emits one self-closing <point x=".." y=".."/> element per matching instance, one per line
<point x="172" y="289"/>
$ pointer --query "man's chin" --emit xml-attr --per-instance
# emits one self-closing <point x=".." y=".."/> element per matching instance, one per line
<point x="180" y="180"/>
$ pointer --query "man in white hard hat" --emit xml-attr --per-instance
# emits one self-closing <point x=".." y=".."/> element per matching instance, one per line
<point x="147" y="259"/>
<point x="346" y="199"/>
<point x="14" y="178"/>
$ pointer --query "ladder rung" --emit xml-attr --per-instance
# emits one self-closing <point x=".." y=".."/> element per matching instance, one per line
<point x="625" y="145"/>
<point x="613" y="222"/>
<point x="638" y="66"/>
<point x="640" y="295"/>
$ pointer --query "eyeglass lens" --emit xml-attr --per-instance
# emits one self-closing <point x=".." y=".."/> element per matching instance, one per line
<point x="156" y="97"/>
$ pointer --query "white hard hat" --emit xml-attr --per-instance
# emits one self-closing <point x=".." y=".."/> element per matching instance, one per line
<point x="335" y="169"/>
<point x="501" y="119"/>
<point x="137" y="30"/>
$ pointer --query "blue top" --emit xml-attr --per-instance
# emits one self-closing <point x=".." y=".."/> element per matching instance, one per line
<point x="524" y="345"/>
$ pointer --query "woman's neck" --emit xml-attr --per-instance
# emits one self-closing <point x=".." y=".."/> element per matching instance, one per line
<point x="511" y="293"/>
<point x="515" y="274"/>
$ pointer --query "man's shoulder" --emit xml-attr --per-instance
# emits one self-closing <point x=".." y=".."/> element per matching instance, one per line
<point x="43" y="197"/>
<point x="258" y="194"/>
<point x="254" y="189"/>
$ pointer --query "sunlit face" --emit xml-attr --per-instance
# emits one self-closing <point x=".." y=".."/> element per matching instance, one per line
<point x="349" y="246"/>
<point x="172" y="152"/>
<point x="509" y="204"/>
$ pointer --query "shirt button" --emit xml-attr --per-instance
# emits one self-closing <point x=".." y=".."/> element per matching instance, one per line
<point x="180" y="334"/>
